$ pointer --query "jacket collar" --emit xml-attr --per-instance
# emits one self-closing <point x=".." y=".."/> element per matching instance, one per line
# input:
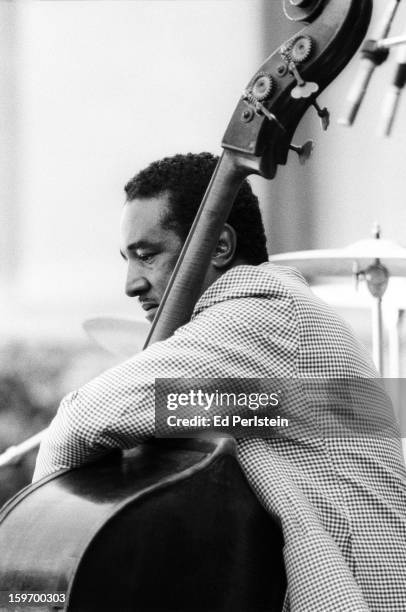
<point x="244" y="281"/>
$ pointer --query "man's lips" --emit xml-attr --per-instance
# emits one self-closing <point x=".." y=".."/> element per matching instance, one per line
<point x="150" y="308"/>
<point x="149" y="305"/>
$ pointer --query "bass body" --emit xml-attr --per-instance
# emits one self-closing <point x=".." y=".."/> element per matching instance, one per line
<point x="170" y="526"/>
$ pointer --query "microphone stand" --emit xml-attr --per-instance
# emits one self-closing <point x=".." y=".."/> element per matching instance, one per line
<point x="393" y="96"/>
<point x="371" y="57"/>
<point x="393" y="41"/>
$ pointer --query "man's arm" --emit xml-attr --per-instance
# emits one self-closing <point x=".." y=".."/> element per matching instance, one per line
<point x="116" y="409"/>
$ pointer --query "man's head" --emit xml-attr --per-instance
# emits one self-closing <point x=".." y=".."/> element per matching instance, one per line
<point x="162" y="201"/>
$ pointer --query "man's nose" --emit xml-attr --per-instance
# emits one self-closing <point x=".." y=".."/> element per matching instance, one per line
<point x="136" y="284"/>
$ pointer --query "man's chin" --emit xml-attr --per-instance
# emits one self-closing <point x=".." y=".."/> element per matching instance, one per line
<point x="150" y="316"/>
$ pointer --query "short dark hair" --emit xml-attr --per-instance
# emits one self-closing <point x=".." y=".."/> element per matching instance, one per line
<point x="185" y="179"/>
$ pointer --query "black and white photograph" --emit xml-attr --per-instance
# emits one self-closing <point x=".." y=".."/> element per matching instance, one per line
<point x="203" y="285"/>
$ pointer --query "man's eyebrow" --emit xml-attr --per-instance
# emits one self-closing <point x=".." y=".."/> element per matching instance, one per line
<point x="139" y="244"/>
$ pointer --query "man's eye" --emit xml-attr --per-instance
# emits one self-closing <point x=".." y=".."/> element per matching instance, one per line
<point x="146" y="256"/>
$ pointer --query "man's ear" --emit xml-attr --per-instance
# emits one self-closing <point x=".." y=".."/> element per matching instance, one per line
<point x="225" y="249"/>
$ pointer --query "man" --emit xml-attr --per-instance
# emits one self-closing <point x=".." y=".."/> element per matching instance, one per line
<point x="341" y="501"/>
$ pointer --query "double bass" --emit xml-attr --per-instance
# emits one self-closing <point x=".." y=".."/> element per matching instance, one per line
<point x="173" y="524"/>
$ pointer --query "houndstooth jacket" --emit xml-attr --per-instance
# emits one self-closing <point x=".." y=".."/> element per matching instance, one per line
<point x="341" y="501"/>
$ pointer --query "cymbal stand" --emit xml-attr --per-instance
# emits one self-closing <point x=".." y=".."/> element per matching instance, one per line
<point x="377" y="278"/>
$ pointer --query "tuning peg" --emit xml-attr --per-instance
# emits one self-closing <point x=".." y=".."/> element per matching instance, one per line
<point x="304" y="152"/>
<point x="324" y="115"/>
<point x="305" y="89"/>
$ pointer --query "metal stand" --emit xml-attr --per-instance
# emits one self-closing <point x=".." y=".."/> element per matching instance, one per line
<point x="13" y="454"/>
<point x="377" y="335"/>
<point x="377" y="278"/>
<point x="388" y="43"/>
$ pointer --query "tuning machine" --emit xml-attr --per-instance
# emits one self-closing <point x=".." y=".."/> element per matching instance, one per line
<point x="304" y="152"/>
<point x="307" y="89"/>
<point x="294" y="53"/>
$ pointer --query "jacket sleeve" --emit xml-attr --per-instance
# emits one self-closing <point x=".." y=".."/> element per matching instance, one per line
<point x="230" y="339"/>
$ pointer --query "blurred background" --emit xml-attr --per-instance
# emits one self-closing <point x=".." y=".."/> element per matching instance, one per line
<point x="92" y="91"/>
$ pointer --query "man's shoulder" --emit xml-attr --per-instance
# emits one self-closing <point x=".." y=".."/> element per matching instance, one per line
<point x="246" y="281"/>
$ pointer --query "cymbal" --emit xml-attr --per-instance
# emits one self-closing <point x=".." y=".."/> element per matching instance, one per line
<point x="120" y="336"/>
<point x="340" y="262"/>
<point x="341" y="293"/>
